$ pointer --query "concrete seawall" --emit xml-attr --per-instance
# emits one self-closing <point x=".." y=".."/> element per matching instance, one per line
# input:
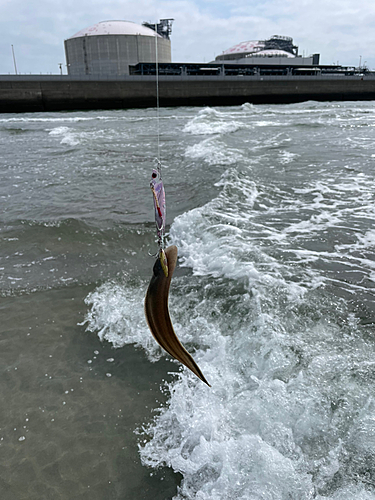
<point x="57" y="93"/>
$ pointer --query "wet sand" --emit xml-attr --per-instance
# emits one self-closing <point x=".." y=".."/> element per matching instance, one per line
<point x="70" y="405"/>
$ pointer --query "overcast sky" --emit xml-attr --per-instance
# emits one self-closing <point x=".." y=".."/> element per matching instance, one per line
<point x="342" y="31"/>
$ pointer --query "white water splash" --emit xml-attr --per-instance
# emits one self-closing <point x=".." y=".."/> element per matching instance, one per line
<point x="290" y="411"/>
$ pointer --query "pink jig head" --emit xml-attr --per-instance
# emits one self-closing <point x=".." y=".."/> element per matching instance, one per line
<point x="157" y="189"/>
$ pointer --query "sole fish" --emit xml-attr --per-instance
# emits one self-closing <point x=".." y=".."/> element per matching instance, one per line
<point x="157" y="313"/>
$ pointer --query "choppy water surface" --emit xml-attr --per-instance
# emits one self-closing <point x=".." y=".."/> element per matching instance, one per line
<point x="272" y="210"/>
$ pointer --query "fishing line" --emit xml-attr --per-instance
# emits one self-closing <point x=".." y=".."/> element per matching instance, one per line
<point x="157" y="96"/>
<point x="156" y="182"/>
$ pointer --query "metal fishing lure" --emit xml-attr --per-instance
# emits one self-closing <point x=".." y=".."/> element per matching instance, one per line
<point x="158" y="192"/>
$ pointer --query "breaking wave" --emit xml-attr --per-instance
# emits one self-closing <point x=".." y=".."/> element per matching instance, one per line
<point x="263" y="308"/>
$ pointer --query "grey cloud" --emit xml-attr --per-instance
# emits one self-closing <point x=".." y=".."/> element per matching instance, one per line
<point x="201" y="29"/>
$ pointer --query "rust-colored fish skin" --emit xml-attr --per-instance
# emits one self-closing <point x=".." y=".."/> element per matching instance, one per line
<point x="157" y="313"/>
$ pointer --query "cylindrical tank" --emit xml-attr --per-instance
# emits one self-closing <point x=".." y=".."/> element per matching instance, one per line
<point x="109" y="47"/>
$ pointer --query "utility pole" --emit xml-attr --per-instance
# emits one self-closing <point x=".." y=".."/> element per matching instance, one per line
<point x="14" y="60"/>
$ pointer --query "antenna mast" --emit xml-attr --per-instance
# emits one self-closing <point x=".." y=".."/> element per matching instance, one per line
<point x="14" y="60"/>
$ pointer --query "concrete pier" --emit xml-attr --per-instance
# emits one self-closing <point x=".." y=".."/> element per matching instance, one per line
<point x="22" y="93"/>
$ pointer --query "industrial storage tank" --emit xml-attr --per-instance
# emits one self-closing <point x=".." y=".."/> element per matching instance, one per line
<point x="277" y="50"/>
<point x="109" y="47"/>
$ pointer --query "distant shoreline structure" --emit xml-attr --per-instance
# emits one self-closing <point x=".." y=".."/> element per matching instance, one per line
<point x="112" y="65"/>
<point x="35" y="93"/>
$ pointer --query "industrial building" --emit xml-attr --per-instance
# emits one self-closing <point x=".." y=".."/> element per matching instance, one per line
<point x="114" y="65"/>
<point x="108" y="48"/>
<point x="277" y="50"/>
<point x="122" y="48"/>
<point x="277" y="56"/>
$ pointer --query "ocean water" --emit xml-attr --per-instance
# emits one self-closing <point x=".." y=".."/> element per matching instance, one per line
<point x="272" y="209"/>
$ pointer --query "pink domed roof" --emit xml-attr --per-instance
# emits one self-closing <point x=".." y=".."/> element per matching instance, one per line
<point x="256" y="48"/>
<point x="250" y="46"/>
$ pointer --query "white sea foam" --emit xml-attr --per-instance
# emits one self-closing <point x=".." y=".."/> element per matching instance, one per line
<point x="117" y="316"/>
<point x="59" y="131"/>
<point x="260" y="432"/>
<point x="290" y="411"/>
<point x="73" y="137"/>
<point x="364" y="241"/>
<point x="287" y="157"/>
<point x="248" y="106"/>
<point x="54" y="119"/>
<point x="69" y="136"/>
<point x="266" y="123"/>
<point x="210" y="121"/>
<point x="213" y="152"/>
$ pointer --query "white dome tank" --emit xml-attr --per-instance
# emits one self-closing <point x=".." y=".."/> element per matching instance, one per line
<point x="109" y="47"/>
